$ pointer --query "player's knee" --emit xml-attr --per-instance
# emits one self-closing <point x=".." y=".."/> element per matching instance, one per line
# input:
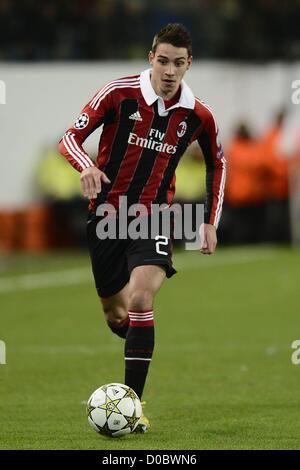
<point x="114" y="316"/>
<point x="117" y="319"/>
<point x="140" y="299"/>
<point x="119" y="327"/>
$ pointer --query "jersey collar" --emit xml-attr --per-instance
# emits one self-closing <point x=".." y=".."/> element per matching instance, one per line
<point x="186" y="100"/>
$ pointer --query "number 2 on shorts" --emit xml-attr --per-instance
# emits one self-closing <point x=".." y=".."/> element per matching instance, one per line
<point x="161" y="240"/>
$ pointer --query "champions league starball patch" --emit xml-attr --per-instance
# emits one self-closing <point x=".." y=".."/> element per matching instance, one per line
<point x="82" y="121"/>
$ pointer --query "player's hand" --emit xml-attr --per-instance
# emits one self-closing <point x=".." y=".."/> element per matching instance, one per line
<point x="91" y="180"/>
<point x="208" y="237"/>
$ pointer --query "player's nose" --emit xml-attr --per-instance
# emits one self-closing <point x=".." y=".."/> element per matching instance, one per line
<point x="170" y="71"/>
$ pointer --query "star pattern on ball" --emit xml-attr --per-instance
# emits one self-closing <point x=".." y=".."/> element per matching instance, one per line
<point x="130" y="393"/>
<point x="131" y="421"/>
<point x="111" y="406"/>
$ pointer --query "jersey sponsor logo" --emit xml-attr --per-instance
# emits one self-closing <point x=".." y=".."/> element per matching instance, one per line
<point x="154" y="141"/>
<point x="182" y="127"/>
<point x="82" y="121"/>
<point x="136" y="116"/>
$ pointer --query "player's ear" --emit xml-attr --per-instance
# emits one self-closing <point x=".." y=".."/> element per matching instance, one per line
<point x="150" y="57"/>
<point x="190" y="61"/>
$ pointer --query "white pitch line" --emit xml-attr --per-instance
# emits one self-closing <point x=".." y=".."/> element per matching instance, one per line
<point x="46" y="279"/>
<point x="84" y="275"/>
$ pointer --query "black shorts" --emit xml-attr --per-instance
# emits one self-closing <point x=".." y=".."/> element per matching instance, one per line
<point x="114" y="259"/>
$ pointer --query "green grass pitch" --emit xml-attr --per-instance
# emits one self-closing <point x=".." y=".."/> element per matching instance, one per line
<point x="221" y="375"/>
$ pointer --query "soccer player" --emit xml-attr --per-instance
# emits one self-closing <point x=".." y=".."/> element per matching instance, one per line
<point x="148" y="122"/>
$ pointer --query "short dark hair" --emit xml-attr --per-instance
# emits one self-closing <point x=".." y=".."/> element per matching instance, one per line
<point x="175" y="34"/>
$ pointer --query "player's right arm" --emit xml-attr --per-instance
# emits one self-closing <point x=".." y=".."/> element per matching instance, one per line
<point x="71" y="144"/>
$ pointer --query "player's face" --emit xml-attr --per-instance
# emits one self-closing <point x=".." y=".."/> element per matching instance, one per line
<point x="169" y="64"/>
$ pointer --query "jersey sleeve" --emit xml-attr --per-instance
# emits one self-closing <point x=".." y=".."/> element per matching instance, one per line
<point x="215" y="169"/>
<point x="91" y="117"/>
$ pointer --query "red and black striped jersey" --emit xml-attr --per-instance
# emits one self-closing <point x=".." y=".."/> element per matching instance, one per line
<point x="142" y="142"/>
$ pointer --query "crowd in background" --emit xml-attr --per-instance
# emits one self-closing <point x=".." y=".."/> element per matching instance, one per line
<point x="122" y="29"/>
<point x="256" y="207"/>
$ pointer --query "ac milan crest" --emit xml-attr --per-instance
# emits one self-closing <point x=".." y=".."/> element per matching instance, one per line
<point x="182" y="127"/>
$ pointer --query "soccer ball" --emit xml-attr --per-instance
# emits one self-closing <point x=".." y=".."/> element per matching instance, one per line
<point x="114" y="410"/>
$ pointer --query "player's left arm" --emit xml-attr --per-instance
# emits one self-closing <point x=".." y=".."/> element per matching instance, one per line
<point x="215" y="182"/>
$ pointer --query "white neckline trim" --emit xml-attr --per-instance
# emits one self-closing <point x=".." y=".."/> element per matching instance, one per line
<point x="186" y="100"/>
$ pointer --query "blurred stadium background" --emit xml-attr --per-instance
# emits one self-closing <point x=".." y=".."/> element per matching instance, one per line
<point x="242" y="304"/>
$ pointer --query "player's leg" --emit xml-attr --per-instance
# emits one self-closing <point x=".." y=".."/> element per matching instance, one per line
<point x="115" y="308"/>
<point x="110" y="270"/>
<point x="144" y="283"/>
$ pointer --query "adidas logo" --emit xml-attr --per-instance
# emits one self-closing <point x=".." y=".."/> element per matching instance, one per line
<point x="136" y="116"/>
